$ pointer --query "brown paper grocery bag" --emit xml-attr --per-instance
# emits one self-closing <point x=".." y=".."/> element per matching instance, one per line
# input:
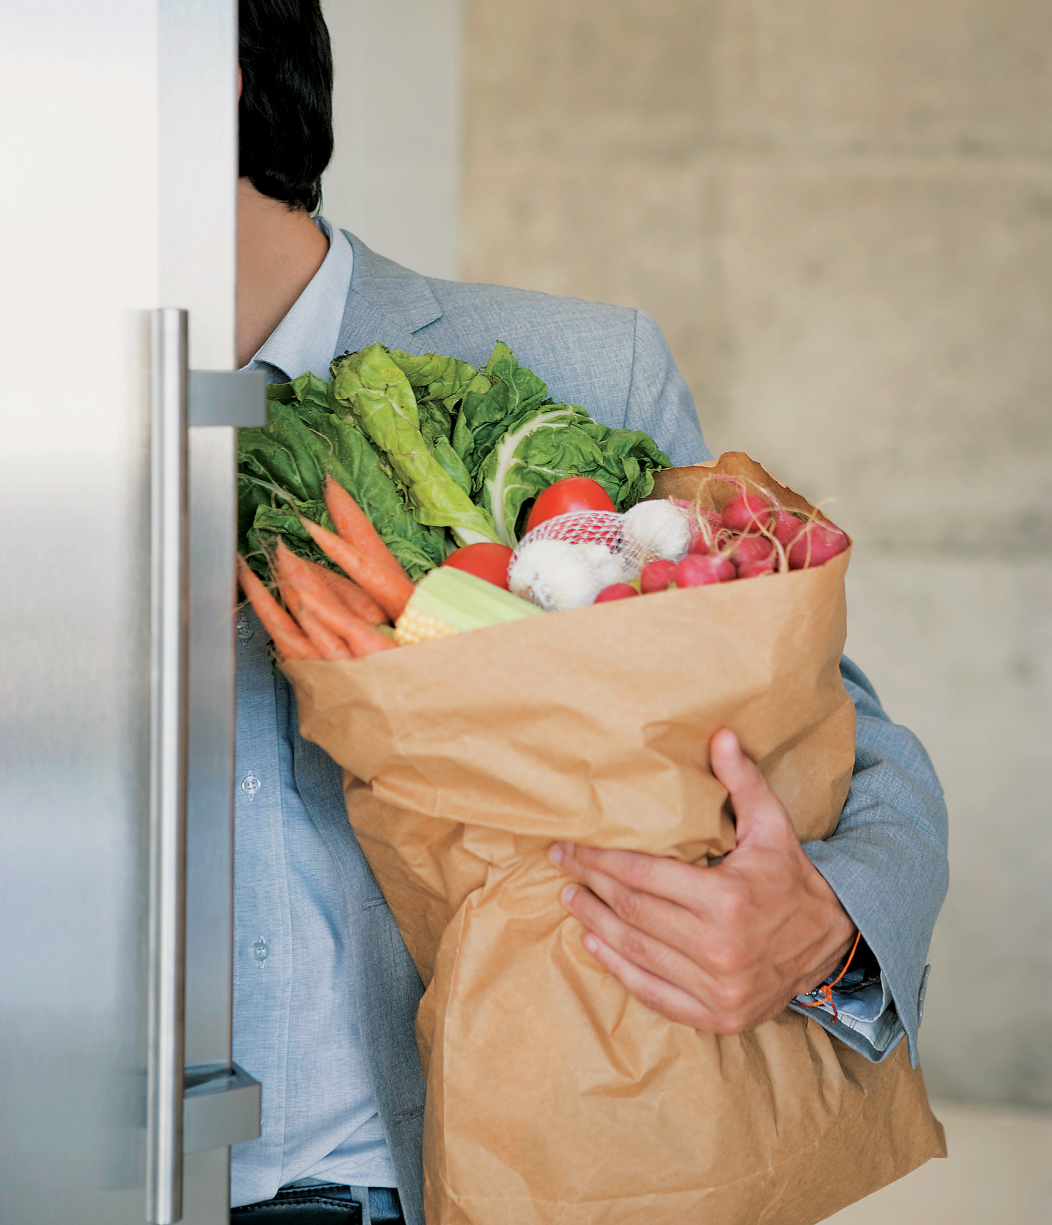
<point x="553" y="1096"/>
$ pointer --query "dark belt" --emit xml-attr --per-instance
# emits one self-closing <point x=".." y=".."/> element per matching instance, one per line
<point x="326" y="1204"/>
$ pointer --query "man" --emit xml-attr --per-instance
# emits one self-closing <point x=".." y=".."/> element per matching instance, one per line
<point x="325" y="993"/>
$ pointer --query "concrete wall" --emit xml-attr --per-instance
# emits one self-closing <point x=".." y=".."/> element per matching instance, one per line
<point x="395" y="177"/>
<point x="841" y="215"/>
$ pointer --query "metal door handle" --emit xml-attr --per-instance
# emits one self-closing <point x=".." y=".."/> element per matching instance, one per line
<point x="228" y="397"/>
<point x="168" y="722"/>
<point x="220" y="1107"/>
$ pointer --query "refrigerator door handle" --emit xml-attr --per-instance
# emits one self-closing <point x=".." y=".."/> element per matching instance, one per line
<point x="169" y="567"/>
<point x="220" y="1107"/>
<point x="228" y="397"/>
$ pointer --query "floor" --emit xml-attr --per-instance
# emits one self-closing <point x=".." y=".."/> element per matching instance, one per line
<point x="998" y="1172"/>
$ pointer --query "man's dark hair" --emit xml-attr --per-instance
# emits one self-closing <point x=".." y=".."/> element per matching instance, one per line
<point x="286" y="99"/>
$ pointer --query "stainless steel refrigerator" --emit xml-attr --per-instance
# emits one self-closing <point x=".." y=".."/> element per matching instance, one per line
<point x="118" y="1098"/>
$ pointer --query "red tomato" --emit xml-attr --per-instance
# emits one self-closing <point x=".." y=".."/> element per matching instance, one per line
<point x="573" y="493"/>
<point x="488" y="561"/>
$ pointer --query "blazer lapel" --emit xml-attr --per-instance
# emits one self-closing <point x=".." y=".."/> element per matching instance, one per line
<point x="386" y="303"/>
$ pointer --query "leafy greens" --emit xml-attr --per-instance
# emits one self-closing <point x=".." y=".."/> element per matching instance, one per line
<point x="435" y="452"/>
<point x="281" y="471"/>
<point x="374" y="388"/>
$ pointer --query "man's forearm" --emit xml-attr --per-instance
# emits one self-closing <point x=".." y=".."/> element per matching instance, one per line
<point x="887" y="860"/>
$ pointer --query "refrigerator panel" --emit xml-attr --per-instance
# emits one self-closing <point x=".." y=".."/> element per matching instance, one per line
<point x="197" y="172"/>
<point x="197" y="268"/>
<point x="78" y="91"/>
<point x="197" y="165"/>
<point x="129" y="161"/>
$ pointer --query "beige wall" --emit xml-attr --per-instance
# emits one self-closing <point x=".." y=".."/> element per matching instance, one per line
<point x="394" y="179"/>
<point x="841" y="215"/>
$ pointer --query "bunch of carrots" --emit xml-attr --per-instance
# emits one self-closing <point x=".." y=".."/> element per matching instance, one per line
<point x="331" y="616"/>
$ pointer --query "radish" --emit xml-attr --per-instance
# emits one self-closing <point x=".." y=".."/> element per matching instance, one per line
<point x="814" y="544"/>
<point x="656" y="576"/>
<point x="704" y="525"/>
<point x="785" y="526"/>
<point x="757" y="568"/>
<point x="749" y="550"/>
<point x="618" y="591"/>
<point x="698" y="570"/>
<point x="748" y="512"/>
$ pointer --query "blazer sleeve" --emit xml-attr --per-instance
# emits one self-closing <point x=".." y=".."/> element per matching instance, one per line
<point x="659" y="401"/>
<point x="887" y="860"/>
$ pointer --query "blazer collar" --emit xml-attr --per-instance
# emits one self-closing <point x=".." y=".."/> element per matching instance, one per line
<point x="386" y="302"/>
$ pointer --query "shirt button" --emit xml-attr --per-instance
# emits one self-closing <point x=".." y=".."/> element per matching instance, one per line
<point x="260" y="951"/>
<point x="244" y="630"/>
<point x="250" y="785"/>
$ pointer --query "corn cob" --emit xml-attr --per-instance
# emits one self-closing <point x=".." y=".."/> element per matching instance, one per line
<point x="447" y="601"/>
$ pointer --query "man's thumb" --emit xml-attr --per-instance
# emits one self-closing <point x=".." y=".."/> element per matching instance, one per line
<point x="756" y="808"/>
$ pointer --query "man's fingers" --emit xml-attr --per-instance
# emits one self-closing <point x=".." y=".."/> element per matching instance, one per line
<point x="669" y="879"/>
<point x="651" y="990"/>
<point x="651" y="938"/>
<point x="736" y="772"/>
<point x="756" y="807"/>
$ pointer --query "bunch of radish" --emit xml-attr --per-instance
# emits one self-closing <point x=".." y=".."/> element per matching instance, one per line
<point x="753" y="536"/>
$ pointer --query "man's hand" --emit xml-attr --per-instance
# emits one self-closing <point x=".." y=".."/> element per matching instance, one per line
<point x="723" y="948"/>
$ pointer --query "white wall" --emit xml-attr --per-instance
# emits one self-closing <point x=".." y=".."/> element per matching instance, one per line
<point x="395" y="177"/>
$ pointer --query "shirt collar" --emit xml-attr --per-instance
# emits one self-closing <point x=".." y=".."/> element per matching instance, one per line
<point x="307" y="337"/>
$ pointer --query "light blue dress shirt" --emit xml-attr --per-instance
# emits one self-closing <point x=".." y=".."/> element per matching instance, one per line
<point x="295" y="1018"/>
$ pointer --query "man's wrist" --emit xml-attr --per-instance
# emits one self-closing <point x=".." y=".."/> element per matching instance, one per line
<point x="863" y="971"/>
<point x="841" y="934"/>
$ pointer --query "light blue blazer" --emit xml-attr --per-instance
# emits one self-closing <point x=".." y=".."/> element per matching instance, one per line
<point x="886" y="862"/>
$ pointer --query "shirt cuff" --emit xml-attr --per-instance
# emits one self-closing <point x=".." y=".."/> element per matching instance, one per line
<point x="865" y="1018"/>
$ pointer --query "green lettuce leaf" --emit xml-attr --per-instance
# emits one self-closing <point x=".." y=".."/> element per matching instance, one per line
<point x="439" y="384"/>
<point x="439" y="380"/>
<point x="373" y="387"/>
<point x="282" y="467"/>
<point x="487" y="412"/>
<point x="281" y="519"/>
<point x="556" y="441"/>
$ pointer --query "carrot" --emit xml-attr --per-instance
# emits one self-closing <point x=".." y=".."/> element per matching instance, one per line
<point x="328" y="644"/>
<point x="353" y="598"/>
<point x="355" y="526"/>
<point x="303" y="587"/>
<point x="365" y="639"/>
<point x="349" y="594"/>
<point x="336" y="631"/>
<point x="288" y="638"/>
<point x="316" y="605"/>
<point x="389" y="590"/>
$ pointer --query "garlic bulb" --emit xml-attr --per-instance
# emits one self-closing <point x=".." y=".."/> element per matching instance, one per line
<point x="655" y="530"/>
<point x="556" y="574"/>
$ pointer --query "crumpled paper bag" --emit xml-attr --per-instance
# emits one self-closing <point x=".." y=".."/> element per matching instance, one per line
<point x="553" y="1096"/>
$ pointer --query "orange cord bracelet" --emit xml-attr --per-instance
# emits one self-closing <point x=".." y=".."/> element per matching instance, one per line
<point x="826" y="990"/>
